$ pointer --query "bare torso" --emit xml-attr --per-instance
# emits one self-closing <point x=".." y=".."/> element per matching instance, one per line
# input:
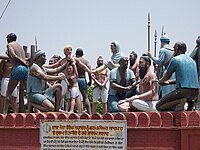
<point x="72" y="79"/>
<point x="81" y="71"/>
<point x="13" y="48"/>
<point x="146" y="85"/>
<point x="63" y="61"/>
<point x="102" y="76"/>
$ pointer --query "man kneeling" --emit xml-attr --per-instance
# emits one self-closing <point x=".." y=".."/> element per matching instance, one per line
<point x="39" y="92"/>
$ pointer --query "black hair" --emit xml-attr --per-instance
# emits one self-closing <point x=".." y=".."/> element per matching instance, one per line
<point x="181" y="46"/>
<point x="146" y="58"/>
<point x="12" y="36"/>
<point x="79" y="52"/>
<point x="134" y="53"/>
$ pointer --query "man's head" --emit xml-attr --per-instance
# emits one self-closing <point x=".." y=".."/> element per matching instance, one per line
<point x="132" y="58"/>
<point x="99" y="61"/>
<point x="123" y="62"/>
<point x="164" y="40"/>
<point x="38" y="54"/>
<point x="79" y="52"/>
<point x="68" y="50"/>
<point x="179" y="48"/>
<point x="11" y="37"/>
<point x="70" y="69"/>
<point x="144" y="64"/>
<point x="56" y="58"/>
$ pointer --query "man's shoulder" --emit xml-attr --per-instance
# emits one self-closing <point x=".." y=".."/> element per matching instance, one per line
<point x="114" y="70"/>
<point x="82" y="59"/>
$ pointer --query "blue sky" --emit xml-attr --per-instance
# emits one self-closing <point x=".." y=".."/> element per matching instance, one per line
<point x="93" y="24"/>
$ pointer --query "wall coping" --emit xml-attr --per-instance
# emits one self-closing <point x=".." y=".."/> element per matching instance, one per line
<point x="134" y="119"/>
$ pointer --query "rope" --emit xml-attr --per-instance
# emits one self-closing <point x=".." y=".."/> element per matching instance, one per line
<point x="5" y="9"/>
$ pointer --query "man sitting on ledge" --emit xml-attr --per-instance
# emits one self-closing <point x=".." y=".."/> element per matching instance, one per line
<point x="147" y="97"/>
<point x="39" y="93"/>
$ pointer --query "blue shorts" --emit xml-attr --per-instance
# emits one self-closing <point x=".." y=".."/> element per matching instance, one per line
<point x="82" y="83"/>
<point x="38" y="98"/>
<point x="19" y="73"/>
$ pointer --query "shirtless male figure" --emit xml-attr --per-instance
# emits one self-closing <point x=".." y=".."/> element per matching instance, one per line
<point x="100" y="89"/>
<point x="17" y="58"/>
<point x="147" y="97"/>
<point x="68" y="58"/>
<point x="82" y="82"/>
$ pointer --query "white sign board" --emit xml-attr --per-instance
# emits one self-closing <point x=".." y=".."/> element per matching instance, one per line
<point x="83" y="134"/>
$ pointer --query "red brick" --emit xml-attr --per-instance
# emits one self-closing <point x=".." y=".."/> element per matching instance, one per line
<point x="97" y="116"/>
<point x="20" y="120"/>
<point x="108" y="116"/>
<point x="73" y="116"/>
<point x="181" y="119"/>
<point x="194" y="119"/>
<point x="120" y="116"/>
<point x="30" y="120"/>
<point x="155" y="120"/>
<point x="143" y="120"/>
<point x="63" y="116"/>
<point x="52" y="115"/>
<point x="9" y="120"/>
<point x="85" y="116"/>
<point x="40" y="116"/>
<point x="132" y="120"/>
<point x="167" y="119"/>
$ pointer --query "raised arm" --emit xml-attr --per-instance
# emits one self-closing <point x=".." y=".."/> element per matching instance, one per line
<point x="37" y="72"/>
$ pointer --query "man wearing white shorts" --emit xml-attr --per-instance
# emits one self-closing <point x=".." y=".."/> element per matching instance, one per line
<point x="6" y="70"/>
<point x="100" y="90"/>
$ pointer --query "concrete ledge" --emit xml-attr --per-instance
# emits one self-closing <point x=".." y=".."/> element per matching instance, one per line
<point x="145" y="130"/>
<point x="134" y="119"/>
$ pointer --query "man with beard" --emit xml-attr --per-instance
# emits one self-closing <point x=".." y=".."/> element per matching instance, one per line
<point x="122" y="81"/>
<point x="134" y="64"/>
<point x="100" y="89"/>
<point x="187" y="84"/>
<point x="148" y="89"/>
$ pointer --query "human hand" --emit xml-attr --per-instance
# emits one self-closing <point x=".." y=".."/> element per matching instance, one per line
<point x="121" y="102"/>
<point x="149" y="54"/>
<point x="129" y="87"/>
<point x="61" y="75"/>
<point x="163" y="82"/>
<point x="93" y="76"/>
<point x="26" y="63"/>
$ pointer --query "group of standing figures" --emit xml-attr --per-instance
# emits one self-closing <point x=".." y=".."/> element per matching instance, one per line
<point x="122" y="83"/>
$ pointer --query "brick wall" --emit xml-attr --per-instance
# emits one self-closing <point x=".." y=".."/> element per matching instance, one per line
<point x="146" y="131"/>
